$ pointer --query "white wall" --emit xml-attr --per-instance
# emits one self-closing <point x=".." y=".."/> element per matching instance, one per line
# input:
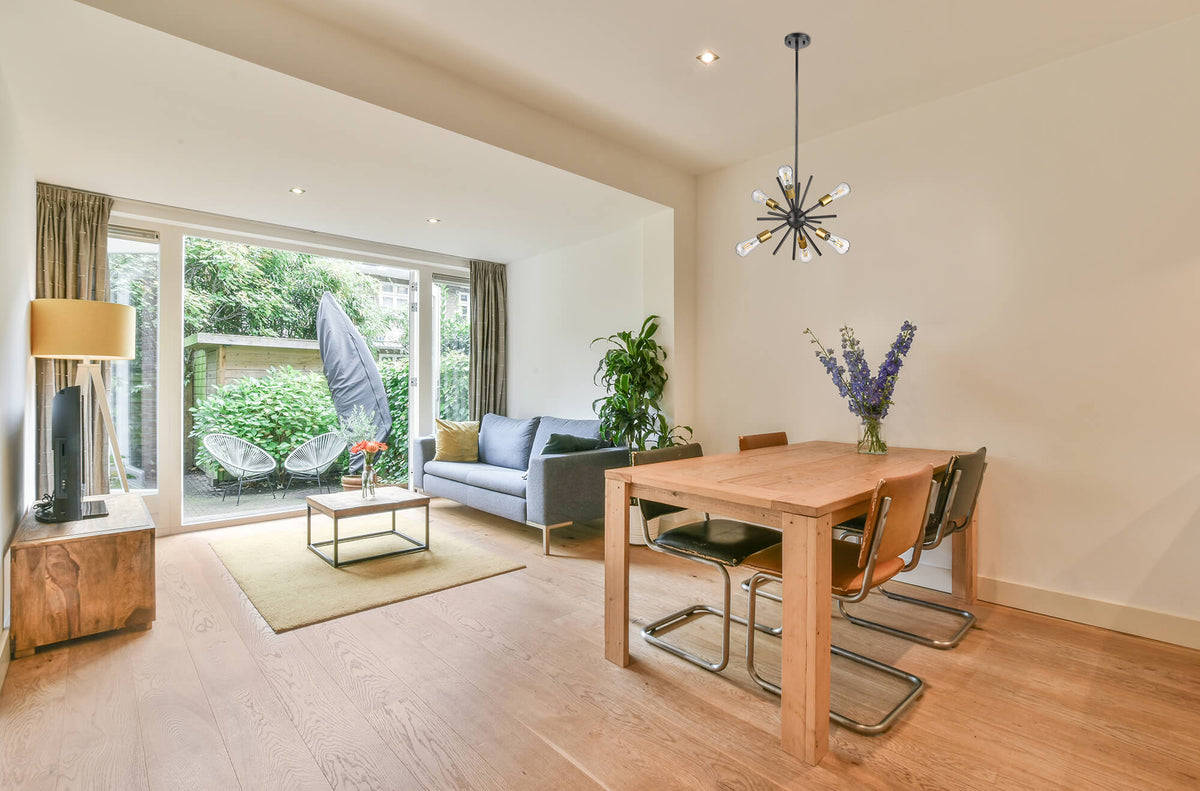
<point x="557" y="303"/>
<point x="17" y="229"/>
<point x="1040" y="231"/>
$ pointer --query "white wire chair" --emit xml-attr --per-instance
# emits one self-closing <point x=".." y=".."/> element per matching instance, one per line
<point x="243" y="459"/>
<point x="313" y="459"/>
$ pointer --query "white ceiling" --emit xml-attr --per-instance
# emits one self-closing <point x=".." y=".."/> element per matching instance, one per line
<point x="627" y="68"/>
<point x="112" y="106"/>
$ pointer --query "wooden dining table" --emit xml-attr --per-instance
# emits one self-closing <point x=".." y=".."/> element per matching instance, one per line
<point x="804" y="490"/>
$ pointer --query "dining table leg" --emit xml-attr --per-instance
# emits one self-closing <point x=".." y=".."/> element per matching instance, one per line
<point x="963" y="571"/>
<point x="807" y="562"/>
<point x="616" y="571"/>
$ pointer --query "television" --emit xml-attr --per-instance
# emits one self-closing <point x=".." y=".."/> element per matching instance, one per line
<point x="66" y="443"/>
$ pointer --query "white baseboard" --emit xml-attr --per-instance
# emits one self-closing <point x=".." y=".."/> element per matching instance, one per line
<point x="1168" y="628"/>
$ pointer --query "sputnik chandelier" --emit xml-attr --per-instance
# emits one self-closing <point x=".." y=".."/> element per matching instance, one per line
<point x="802" y="225"/>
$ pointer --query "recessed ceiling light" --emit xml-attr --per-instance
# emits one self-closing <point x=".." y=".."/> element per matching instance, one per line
<point x="297" y="190"/>
<point x="708" y="57"/>
<point x="432" y="220"/>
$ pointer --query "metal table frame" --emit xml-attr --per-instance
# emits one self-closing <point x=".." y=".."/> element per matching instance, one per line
<point x="337" y="540"/>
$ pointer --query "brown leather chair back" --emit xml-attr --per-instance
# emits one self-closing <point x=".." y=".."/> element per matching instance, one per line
<point x="653" y="510"/>
<point x="904" y="527"/>
<point x="755" y="441"/>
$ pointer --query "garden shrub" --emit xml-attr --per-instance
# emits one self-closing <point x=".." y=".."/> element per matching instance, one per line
<point x="285" y="408"/>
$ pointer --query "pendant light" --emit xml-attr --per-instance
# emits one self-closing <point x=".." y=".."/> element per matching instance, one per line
<point x="803" y="226"/>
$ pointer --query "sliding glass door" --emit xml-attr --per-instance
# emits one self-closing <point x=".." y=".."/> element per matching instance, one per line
<point x="255" y="391"/>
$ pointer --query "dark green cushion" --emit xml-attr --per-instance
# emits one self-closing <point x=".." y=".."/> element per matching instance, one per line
<point x="566" y="443"/>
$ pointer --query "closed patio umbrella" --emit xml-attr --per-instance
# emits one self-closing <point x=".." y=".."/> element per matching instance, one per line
<point x="351" y="371"/>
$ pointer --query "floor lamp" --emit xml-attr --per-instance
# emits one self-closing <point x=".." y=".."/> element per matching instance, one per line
<point x="88" y="331"/>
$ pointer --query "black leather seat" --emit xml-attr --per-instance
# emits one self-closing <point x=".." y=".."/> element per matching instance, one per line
<point x="721" y="540"/>
<point x="717" y="542"/>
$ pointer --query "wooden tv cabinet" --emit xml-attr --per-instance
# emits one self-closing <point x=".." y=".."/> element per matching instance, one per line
<point x="72" y="579"/>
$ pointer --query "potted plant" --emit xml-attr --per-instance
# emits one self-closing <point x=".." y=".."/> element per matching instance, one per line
<point x="358" y="430"/>
<point x="632" y="373"/>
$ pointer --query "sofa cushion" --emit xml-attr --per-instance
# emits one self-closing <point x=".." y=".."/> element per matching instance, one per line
<point x="558" y="425"/>
<point x="565" y="443"/>
<point x="482" y="476"/>
<point x="456" y="441"/>
<point x="506" y="442"/>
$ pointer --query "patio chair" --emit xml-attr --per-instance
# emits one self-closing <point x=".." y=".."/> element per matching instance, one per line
<point x="241" y="458"/>
<point x="313" y="459"/>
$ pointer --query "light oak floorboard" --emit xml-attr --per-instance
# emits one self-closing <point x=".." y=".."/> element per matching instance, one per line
<point x="502" y="684"/>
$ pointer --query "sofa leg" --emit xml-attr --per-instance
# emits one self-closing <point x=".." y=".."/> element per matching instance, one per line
<point x="546" y="533"/>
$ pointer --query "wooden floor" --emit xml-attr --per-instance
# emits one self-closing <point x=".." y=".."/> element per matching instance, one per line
<point x="502" y="684"/>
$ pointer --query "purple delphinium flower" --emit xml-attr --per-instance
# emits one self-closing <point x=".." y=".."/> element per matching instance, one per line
<point x="867" y="395"/>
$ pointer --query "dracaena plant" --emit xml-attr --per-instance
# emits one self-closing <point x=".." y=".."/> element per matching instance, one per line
<point x="632" y="373"/>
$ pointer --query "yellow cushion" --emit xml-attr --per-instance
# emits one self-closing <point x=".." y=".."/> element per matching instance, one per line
<point x="457" y="441"/>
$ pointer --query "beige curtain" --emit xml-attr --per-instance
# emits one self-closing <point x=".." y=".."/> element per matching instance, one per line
<point x="489" y="339"/>
<point x="72" y="263"/>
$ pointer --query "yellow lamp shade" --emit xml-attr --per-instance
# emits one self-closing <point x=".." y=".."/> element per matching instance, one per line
<point x="81" y="329"/>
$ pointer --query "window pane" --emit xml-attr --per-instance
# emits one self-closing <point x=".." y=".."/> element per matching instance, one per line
<point x="133" y="394"/>
<point x="452" y="341"/>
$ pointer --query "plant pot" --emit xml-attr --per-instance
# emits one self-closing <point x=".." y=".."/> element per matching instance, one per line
<point x="353" y="483"/>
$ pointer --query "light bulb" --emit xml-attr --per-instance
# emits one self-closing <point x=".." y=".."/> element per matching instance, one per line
<point x="761" y="197"/>
<point x="805" y="251"/>
<point x="789" y="185"/>
<point x="837" y="243"/>
<point x="745" y="247"/>
<point x="840" y="191"/>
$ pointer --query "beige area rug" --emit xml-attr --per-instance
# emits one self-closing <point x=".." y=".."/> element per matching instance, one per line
<point x="292" y="587"/>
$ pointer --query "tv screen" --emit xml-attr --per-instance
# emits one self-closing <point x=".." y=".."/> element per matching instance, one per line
<point x="66" y="421"/>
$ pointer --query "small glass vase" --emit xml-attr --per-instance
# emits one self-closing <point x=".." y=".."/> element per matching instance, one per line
<point x="368" y="482"/>
<point x="870" y="436"/>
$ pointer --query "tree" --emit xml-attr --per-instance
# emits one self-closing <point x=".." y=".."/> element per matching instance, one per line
<point x="236" y="289"/>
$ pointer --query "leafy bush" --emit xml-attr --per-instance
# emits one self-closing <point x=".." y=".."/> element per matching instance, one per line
<point x="286" y="408"/>
<point x="278" y="413"/>
<point x="392" y="465"/>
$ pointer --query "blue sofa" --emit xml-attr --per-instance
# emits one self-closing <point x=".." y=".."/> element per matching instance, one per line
<point x="515" y="480"/>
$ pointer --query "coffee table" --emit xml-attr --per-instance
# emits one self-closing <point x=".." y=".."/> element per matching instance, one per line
<point x="341" y="505"/>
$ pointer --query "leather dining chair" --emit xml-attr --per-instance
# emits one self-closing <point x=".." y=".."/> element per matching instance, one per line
<point x="721" y="543"/>
<point x="954" y="507"/>
<point x="894" y="525"/>
<point x="756" y="441"/>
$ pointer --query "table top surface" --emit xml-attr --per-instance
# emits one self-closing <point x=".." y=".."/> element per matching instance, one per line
<point x="807" y="478"/>
<point x="126" y="512"/>
<point x="388" y="498"/>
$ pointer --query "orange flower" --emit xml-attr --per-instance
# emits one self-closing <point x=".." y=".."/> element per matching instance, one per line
<point x="372" y="446"/>
<point x="357" y="447"/>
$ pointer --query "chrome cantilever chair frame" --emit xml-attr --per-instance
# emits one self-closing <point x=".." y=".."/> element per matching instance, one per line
<point x="650" y="630"/>
<point x="945" y="528"/>
<point x="916" y="685"/>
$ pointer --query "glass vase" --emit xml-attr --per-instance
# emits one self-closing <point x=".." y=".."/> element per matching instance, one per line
<point x="368" y="481"/>
<point x="870" y="436"/>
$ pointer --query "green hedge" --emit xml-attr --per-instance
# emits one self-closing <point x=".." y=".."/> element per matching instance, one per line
<point x="286" y="408"/>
